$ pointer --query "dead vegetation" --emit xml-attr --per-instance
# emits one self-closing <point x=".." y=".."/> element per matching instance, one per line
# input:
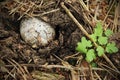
<point x="71" y="19"/>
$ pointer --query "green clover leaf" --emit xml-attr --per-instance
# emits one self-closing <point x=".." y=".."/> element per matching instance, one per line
<point x="102" y="40"/>
<point x="93" y="37"/>
<point x="108" y="32"/>
<point x="111" y="48"/>
<point x="90" y="55"/>
<point x="81" y="47"/>
<point x="100" y="51"/>
<point x="85" y="42"/>
<point x="98" y="29"/>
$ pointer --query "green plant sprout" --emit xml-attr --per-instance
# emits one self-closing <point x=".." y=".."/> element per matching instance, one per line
<point x="101" y="38"/>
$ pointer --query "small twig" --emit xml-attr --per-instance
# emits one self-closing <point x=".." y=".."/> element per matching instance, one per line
<point x="53" y="66"/>
<point x="108" y="71"/>
<point x="71" y="56"/>
<point x="74" y="75"/>
<point x="22" y="3"/>
<point x="84" y="16"/>
<point x="77" y="23"/>
<point x="116" y="15"/>
<point x="26" y="11"/>
<point x="97" y="76"/>
<point x="6" y="70"/>
<point x="91" y="73"/>
<point x="6" y="78"/>
<point x="108" y="11"/>
<point x="110" y="62"/>
<point x="96" y="13"/>
<point x="109" y="68"/>
<point x="83" y="5"/>
<point x="15" y="9"/>
<point x="105" y="78"/>
<point x="66" y="64"/>
<point x="85" y="32"/>
<point x="48" y="12"/>
<point x="18" y="67"/>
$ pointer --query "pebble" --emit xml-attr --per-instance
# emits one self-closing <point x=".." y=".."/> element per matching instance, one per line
<point x="36" y="32"/>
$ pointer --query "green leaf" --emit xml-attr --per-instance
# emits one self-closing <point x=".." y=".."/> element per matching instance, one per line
<point x="100" y="51"/>
<point x="108" y="32"/>
<point x="81" y="47"/>
<point x="90" y="55"/>
<point x="102" y="40"/>
<point x="85" y="42"/>
<point x="93" y="64"/>
<point x="111" y="48"/>
<point x="93" y="37"/>
<point x="98" y="29"/>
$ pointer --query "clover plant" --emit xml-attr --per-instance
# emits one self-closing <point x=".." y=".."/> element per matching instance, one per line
<point x="101" y="38"/>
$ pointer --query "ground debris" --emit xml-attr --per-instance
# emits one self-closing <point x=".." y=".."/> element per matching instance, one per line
<point x="46" y="76"/>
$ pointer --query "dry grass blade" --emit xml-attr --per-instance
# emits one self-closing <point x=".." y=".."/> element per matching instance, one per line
<point x="91" y="73"/>
<point x="84" y="15"/>
<point x="84" y="6"/>
<point x="103" y="66"/>
<point x="48" y="12"/>
<point x="109" y="68"/>
<point x="75" y="75"/>
<point x="6" y="70"/>
<point x="116" y="17"/>
<point x="12" y="71"/>
<point x="97" y="76"/>
<point x="20" y="70"/>
<point x="26" y="11"/>
<point x="29" y="8"/>
<point x="55" y="66"/>
<point x="109" y="11"/>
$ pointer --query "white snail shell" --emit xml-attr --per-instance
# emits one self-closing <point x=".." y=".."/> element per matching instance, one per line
<point x="36" y="32"/>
